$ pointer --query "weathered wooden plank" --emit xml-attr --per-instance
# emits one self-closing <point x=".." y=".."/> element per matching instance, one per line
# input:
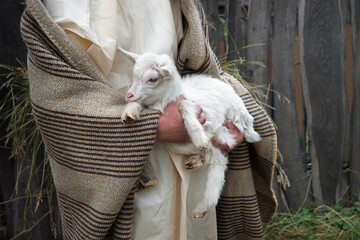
<point x="343" y="187"/>
<point x="316" y="185"/>
<point x="237" y="24"/>
<point x="323" y="70"/>
<point x="279" y="193"/>
<point x="285" y="114"/>
<point x="355" y="163"/>
<point x="258" y="32"/>
<point x="211" y="10"/>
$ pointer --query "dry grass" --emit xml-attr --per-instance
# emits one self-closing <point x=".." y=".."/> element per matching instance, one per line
<point x="24" y="139"/>
<point x="320" y="223"/>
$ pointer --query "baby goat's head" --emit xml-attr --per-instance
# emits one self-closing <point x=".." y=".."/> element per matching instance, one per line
<point x="152" y="74"/>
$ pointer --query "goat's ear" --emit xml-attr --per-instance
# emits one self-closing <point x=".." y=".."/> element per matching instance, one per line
<point x="129" y="55"/>
<point x="165" y="72"/>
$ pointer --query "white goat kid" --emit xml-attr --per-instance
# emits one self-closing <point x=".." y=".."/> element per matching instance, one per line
<point x="157" y="83"/>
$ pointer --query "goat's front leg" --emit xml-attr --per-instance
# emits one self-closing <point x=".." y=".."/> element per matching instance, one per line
<point x="193" y="126"/>
<point x="131" y="112"/>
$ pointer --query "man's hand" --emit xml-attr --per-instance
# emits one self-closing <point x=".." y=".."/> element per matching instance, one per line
<point x="171" y="126"/>
<point x="238" y="136"/>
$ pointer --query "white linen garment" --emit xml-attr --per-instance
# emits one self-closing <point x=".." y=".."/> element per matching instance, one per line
<point x="100" y="27"/>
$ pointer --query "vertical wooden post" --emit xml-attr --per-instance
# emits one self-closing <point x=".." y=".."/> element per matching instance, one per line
<point x="211" y="8"/>
<point x="316" y="185"/>
<point x="258" y="32"/>
<point x="323" y="73"/>
<point x="237" y="22"/>
<point x="343" y="187"/>
<point x="355" y="163"/>
<point x="285" y="114"/>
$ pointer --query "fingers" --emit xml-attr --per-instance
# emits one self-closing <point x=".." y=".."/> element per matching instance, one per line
<point x="229" y="125"/>
<point x="199" y="112"/>
<point x="178" y="101"/>
<point x="171" y="125"/>
<point x="224" y="148"/>
<point x="238" y="136"/>
<point x="200" y="115"/>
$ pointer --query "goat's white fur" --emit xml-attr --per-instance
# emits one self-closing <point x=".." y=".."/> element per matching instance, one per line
<point x="157" y="83"/>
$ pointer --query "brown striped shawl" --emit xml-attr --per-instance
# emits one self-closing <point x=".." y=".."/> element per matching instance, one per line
<point x="98" y="163"/>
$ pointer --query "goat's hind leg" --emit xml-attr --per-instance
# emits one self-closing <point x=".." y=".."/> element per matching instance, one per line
<point x="196" y="157"/>
<point x="242" y="119"/>
<point x="195" y="161"/>
<point x="215" y="182"/>
<point x="193" y="126"/>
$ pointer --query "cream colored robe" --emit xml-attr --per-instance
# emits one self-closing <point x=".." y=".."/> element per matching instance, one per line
<point x="100" y="27"/>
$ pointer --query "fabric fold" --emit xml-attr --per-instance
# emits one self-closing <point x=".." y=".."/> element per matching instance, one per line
<point x="97" y="162"/>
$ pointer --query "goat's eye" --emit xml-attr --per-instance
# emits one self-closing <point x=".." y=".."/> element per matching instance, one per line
<point x="153" y="80"/>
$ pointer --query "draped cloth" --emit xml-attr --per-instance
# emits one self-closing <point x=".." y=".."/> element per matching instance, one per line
<point x="165" y="210"/>
<point x="98" y="163"/>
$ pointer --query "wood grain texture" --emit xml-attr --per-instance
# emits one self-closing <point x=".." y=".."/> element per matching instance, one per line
<point x="237" y="22"/>
<point x="212" y="12"/>
<point x="315" y="174"/>
<point x="324" y="90"/>
<point x="259" y="30"/>
<point x="285" y="115"/>
<point x="343" y="186"/>
<point x="355" y="163"/>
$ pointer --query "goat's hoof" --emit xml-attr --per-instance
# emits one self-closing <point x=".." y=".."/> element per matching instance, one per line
<point x="252" y="136"/>
<point x="199" y="215"/>
<point x="181" y="106"/>
<point x="191" y="164"/>
<point x="204" y="148"/>
<point x="195" y="162"/>
<point x="129" y="118"/>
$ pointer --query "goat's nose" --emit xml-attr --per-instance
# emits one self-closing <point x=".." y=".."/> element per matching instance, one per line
<point x="129" y="95"/>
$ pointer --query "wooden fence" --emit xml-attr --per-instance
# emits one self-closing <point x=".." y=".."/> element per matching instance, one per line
<point x="311" y="50"/>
